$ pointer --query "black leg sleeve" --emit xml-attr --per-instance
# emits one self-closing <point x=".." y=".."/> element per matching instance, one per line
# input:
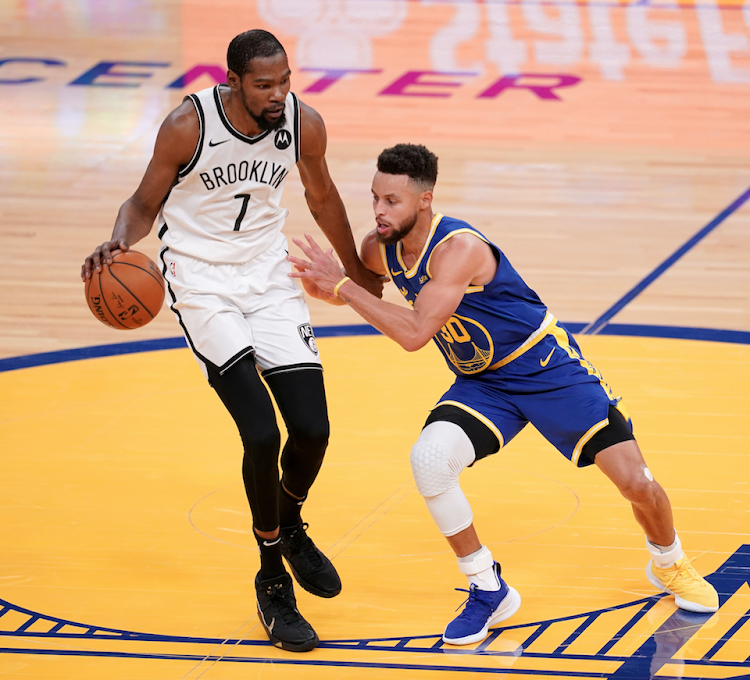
<point x="300" y="396"/>
<point x="247" y="400"/>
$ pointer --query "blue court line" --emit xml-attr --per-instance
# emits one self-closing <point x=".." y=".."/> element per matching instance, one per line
<point x="631" y="330"/>
<point x="596" y="326"/>
<point x="676" y="332"/>
<point x="61" y="356"/>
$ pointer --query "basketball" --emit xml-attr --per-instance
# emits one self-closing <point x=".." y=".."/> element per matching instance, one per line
<point x="127" y="293"/>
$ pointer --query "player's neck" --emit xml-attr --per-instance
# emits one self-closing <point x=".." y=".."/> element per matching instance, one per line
<point x="238" y="116"/>
<point x="413" y="243"/>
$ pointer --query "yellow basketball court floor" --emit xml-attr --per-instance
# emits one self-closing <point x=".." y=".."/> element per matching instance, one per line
<point x="127" y="549"/>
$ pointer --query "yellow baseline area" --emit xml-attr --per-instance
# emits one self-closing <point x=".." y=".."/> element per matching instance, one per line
<point x="122" y="508"/>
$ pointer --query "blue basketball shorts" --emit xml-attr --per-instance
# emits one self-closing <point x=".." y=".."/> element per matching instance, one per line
<point x="550" y="386"/>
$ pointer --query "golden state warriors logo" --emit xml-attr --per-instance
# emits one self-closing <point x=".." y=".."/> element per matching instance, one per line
<point x="636" y="640"/>
<point x="466" y="344"/>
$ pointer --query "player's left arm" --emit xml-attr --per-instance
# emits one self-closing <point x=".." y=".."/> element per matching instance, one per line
<point x="462" y="261"/>
<point x="324" y="201"/>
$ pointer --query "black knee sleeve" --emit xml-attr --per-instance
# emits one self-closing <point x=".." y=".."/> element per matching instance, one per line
<point x="247" y="400"/>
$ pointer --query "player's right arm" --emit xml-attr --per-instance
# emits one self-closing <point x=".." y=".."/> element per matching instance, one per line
<point x="175" y="146"/>
<point x="461" y="261"/>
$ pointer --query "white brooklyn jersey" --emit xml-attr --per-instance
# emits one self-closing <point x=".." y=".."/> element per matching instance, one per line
<point x="225" y="206"/>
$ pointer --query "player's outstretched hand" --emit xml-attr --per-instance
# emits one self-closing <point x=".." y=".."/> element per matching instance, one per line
<point x="312" y="288"/>
<point x="320" y="267"/>
<point x="102" y="255"/>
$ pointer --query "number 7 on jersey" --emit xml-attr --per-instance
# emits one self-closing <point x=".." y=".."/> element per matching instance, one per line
<point x="245" y="198"/>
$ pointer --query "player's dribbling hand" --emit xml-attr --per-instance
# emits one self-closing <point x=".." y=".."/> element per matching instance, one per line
<point x="102" y="255"/>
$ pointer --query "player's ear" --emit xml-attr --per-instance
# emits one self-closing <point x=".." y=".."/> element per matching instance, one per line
<point x="425" y="200"/>
<point x="233" y="80"/>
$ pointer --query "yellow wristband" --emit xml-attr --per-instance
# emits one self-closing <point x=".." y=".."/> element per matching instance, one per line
<point x="339" y="284"/>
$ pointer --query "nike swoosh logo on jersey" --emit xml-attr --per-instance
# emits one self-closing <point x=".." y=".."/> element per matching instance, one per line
<point x="400" y="271"/>
<point x="544" y="362"/>
<point x="213" y="143"/>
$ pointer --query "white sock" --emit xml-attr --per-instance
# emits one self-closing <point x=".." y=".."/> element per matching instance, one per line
<point x="479" y="567"/>
<point x="665" y="556"/>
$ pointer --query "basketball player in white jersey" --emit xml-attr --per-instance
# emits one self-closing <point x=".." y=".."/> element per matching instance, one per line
<point x="215" y="182"/>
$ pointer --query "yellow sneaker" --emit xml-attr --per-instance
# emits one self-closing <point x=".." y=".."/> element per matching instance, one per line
<point x="691" y="591"/>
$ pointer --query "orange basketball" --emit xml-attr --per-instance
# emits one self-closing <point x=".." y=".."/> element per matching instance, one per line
<point x="127" y="293"/>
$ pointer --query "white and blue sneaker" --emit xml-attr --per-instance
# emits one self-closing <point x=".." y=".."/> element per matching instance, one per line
<point x="484" y="608"/>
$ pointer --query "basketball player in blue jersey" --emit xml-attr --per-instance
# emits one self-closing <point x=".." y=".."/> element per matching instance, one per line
<point x="514" y="364"/>
<point x="214" y="184"/>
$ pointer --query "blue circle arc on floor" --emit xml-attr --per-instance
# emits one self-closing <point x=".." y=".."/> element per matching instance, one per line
<point x="619" y="628"/>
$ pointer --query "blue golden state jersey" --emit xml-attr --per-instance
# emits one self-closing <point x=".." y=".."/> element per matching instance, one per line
<point x="493" y="324"/>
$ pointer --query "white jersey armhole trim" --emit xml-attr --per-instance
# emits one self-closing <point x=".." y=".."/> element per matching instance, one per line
<point x="201" y="134"/>
<point x="297" y="126"/>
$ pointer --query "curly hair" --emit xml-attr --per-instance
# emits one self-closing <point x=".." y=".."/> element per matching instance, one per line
<point x="414" y="160"/>
<point x="248" y="46"/>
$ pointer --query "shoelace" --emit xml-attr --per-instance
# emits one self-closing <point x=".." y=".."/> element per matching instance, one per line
<point x="303" y="543"/>
<point x="472" y="599"/>
<point x="281" y="597"/>
<point x="686" y="571"/>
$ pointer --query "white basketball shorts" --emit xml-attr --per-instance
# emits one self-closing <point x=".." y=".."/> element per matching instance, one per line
<point x="230" y="311"/>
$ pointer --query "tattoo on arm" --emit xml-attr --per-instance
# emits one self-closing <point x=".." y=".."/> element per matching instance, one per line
<point x="314" y="214"/>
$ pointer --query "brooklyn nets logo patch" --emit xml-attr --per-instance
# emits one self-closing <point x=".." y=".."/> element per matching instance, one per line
<point x="306" y="333"/>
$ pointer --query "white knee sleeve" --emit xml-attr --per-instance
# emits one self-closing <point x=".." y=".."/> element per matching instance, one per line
<point x="442" y="451"/>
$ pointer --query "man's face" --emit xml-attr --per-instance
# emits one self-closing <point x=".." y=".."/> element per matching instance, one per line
<point x="395" y="201"/>
<point x="263" y="90"/>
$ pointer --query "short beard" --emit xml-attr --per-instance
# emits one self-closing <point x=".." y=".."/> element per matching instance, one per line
<point x="397" y="234"/>
<point x="265" y="124"/>
<point x="261" y="121"/>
